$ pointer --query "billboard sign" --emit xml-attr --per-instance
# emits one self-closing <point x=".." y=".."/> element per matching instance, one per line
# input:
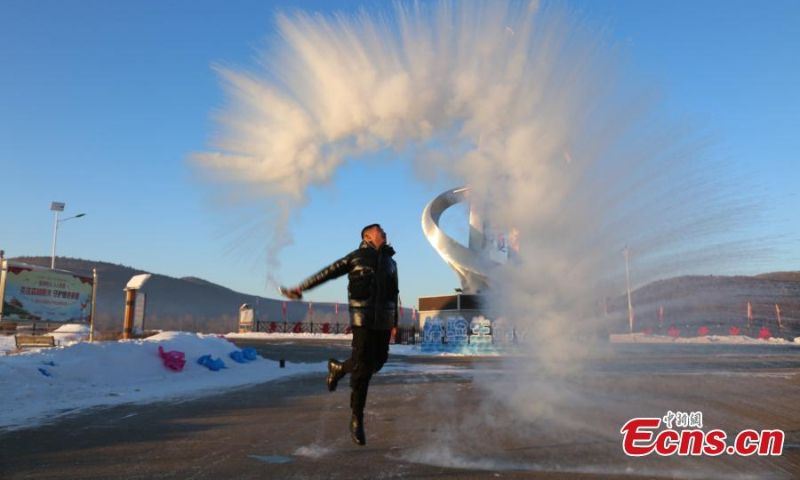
<point x="36" y="294"/>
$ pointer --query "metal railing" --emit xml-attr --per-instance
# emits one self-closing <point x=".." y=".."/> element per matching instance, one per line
<point x="787" y="331"/>
<point x="402" y="336"/>
<point x="301" y="327"/>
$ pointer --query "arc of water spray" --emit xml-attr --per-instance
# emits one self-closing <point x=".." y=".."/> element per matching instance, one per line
<point x="532" y="84"/>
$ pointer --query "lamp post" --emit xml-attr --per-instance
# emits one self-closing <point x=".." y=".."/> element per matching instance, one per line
<point x="58" y="207"/>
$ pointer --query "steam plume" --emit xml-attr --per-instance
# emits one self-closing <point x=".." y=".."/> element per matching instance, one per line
<point x="530" y="106"/>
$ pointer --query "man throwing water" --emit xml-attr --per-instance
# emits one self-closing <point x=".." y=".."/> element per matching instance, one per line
<point x="372" y="295"/>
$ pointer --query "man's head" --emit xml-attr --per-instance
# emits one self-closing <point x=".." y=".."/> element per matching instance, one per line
<point x="374" y="234"/>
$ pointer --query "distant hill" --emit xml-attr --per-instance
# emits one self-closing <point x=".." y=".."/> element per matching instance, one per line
<point x="781" y="276"/>
<point x="189" y="303"/>
<point x="717" y="302"/>
<point x="195" y="304"/>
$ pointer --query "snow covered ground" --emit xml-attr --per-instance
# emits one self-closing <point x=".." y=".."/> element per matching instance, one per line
<point x="42" y="384"/>
<point x="710" y="339"/>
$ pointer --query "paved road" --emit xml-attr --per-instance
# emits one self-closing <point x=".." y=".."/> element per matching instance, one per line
<point x="440" y="418"/>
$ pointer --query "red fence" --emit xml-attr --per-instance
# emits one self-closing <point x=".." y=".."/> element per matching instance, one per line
<point x="757" y="329"/>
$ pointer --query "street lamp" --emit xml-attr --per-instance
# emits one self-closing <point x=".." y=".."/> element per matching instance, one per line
<point x="58" y="207"/>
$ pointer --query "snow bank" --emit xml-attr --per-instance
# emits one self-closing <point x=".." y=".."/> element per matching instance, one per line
<point x="290" y="336"/>
<point x="710" y="339"/>
<point x="70" y="334"/>
<point x="7" y="344"/>
<point x="416" y="351"/>
<point x="45" y="384"/>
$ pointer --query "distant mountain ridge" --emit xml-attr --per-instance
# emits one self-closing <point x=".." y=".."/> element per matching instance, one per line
<point x="711" y="300"/>
<point x="188" y="303"/>
<point x="195" y="304"/>
<point x="198" y="280"/>
<point x="781" y="276"/>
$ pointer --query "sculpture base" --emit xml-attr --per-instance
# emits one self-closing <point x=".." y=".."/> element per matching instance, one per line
<point x="457" y="324"/>
<point x="458" y="305"/>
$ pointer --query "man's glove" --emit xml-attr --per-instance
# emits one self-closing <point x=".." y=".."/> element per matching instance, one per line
<point x="291" y="293"/>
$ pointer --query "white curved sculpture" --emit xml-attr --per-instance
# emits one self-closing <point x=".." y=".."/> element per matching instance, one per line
<point x="472" y="263"/>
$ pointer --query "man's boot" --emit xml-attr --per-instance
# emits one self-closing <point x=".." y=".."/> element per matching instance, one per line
<point x="335" y="373"/>
<point x="357" y="429"/>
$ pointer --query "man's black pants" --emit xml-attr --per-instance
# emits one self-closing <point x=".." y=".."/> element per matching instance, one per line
<point x="370" y="352"/>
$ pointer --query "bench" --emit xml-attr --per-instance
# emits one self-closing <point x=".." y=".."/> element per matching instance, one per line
<point x="39" y="341"/>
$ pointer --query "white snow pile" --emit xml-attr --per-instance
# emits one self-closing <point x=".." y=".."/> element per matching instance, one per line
<point x="290" y="336"/>
<point x="65" y="335"/>
<point x="41" y="385"/>
<point x="70" y="334"/>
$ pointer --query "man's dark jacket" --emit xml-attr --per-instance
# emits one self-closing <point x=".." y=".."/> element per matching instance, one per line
<point x="372" y="291"/>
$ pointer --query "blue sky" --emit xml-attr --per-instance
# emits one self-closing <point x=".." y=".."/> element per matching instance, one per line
<point x="101" y="101"/>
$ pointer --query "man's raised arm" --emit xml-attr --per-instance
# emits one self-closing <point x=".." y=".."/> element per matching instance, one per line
<point x="332" y="271"/>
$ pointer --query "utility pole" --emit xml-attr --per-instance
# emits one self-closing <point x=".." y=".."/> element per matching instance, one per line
<point x="94" y="304"/>
<point x="55" y="207"/>
<point x="628" y="283"/>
